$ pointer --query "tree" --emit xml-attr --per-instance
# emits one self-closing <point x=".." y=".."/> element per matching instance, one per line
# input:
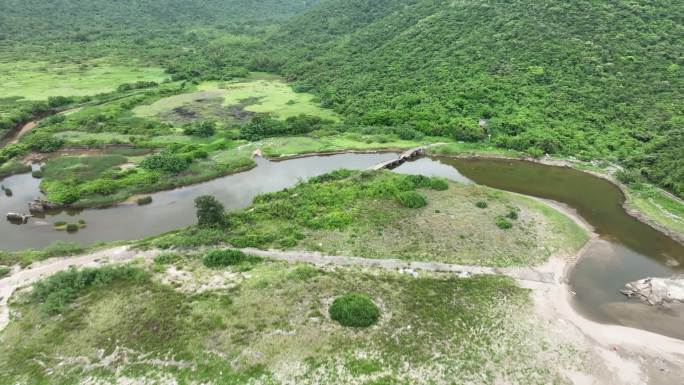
<point x="209" y="211"/>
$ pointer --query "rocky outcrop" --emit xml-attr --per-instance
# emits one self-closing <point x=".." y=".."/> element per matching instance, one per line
<point x="657" y="291"/>
<point x="40" y="206"/>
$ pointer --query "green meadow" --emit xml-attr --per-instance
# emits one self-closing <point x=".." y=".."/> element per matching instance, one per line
<point x="38" y="80"/>
<point x="268" y="95"/>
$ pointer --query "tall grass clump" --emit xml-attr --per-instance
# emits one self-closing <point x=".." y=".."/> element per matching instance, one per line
<point x="217" y="259"/>
<point x="354" y="310"/>
<point x="57" y="292"/>
<point x="412" y="199"/>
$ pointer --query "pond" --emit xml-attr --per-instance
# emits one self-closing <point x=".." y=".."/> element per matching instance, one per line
<point x="626" y="250"/>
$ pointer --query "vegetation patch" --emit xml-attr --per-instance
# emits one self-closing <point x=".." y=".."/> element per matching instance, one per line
<point x="270" y="322"/>
<point x="354" y="310"/>
<point x="37" y="80"/>
<point x="217" y="259"/>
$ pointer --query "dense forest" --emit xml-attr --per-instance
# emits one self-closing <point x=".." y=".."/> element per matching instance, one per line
<point x="588" y="78"/>
<point x="593" y="79"/>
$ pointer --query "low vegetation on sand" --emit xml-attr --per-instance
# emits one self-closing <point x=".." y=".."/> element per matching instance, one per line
<point x="173" y="319"/>
<point x="382" y="214"/>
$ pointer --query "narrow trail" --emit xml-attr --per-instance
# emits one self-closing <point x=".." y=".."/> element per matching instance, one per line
<point x="122" y="254"/>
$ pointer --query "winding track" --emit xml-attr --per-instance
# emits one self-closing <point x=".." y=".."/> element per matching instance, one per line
<point x="124" y="254"/>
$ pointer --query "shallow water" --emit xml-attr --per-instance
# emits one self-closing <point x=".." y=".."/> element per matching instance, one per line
<point x="627" y="250"/>
<point x="169" y="210"/>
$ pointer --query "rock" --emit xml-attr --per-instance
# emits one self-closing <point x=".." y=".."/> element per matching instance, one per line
<point x="40" y="206"/>
<point x="657" y="291"/>
<point x="18" y="218"/>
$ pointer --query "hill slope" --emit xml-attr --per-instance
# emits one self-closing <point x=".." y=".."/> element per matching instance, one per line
<point x="596" y="79"/>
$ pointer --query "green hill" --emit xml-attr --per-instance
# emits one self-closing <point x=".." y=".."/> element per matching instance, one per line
<point x="593" y="79"/>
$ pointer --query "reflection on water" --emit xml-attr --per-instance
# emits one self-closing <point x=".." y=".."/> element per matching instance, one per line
<point x="627" y="250"/>
<point x="169" y="210"/>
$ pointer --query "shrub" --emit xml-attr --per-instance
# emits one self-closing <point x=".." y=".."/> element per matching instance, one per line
<point x="512" y="214"/>
<point x="210" y="212"/>
<point x="72" y="227"/>
<point x="144" y="201"/>
<point x="4" y="271"/>
<point x="164" y="162"/>
<point x="37" y="174"/>
<point x="222" y="258"/>
<point x="439" y="184"/>
<point x="58" y="291"/>
<point x="44" y="142"/>
<point x="481" y="204"/>
<point x="167" y="258"/>
<point x="503" y="223"/>
<point x="412" y="199"/>
<point x="354" y="310"/>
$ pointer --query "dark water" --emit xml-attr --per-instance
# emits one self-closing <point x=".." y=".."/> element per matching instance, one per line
<point x="170" y="210"/>
<point x="628" y="249"/>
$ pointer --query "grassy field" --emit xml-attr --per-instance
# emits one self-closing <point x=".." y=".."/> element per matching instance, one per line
<point x="221" y="100"/>
<point x="268" y="323"/>
<point x="40" y="80"/>
<point x="657" y="205"/>
<point x="366" y="215"/>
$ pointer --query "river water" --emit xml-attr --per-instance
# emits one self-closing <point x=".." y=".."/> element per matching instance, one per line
<point x="626" y="250"/>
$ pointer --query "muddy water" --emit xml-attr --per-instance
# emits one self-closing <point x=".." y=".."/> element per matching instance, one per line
<point x="626" y="251"/>
<point x="169" y="210"/>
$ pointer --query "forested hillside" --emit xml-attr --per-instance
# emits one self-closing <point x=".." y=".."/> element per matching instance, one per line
<point x="594" y="79"/>
<point x="589" y="78"/>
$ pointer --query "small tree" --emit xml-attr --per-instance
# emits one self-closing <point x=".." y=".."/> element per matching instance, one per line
<point x="209" y="211"/>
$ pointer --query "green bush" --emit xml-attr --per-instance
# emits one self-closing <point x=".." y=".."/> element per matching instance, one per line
<point x="4" y="271"/>
<point x="228" y="257"/>
<point x="503" y="223"/>
<point x="354" y="310"/>
<point x="167" y="258"/>
<point x="144" y="201"/>
<point x="412" y="199"/>
<point x="55" y="293"/>
<point x="210" y="212"/>
<point x="481" y="204"/>
<point x="512" y="214"/>
<point x="72" y="227"/>
<point x="439" y="184"/>
<point x="164" y="162"/>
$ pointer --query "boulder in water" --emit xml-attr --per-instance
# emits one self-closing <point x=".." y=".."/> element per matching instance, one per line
<point x="657" y="291"/>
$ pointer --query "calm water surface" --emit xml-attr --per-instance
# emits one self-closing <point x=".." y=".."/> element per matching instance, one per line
<point x="627" y="250"/>
<point x="169" y="210"/>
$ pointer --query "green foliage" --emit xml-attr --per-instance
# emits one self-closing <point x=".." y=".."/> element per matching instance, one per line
<point x="263" y="126"/>
<point x="4" y="271"/>
<point x="412" y="199"/>
<point x="481" y="204"/>
<point x="169" y="163"/>
<point x="503" y="223"/>
<point x="202" y="129"/>
<point x="72" y="227"/>
<point x="615" y="98"/>
<point x="210" y="212"/>
<point x="144" y="200"/>
<point x="56" y="292"/>
<point x="227" y="257"/>
<point x="43" y="142"/>
<point x="354" y="310"/>
<point x="513" y="213"/>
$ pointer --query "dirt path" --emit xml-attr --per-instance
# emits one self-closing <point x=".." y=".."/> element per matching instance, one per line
<point x="46" y="268"/>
